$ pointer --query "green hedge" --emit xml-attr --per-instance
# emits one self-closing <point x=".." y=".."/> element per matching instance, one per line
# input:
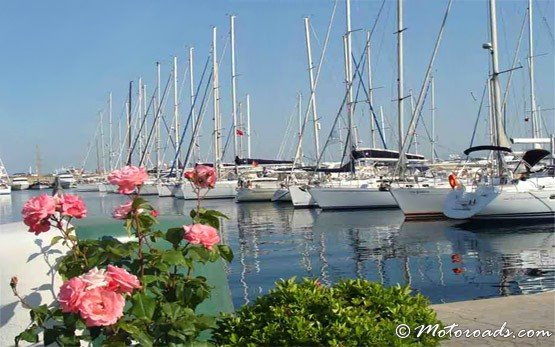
<point x="350" y="313"/>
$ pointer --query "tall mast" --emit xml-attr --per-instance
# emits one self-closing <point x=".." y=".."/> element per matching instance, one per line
<point x="193" y="118"/>
<point x="102" y="156"/>
<point x="433" y="111"/>
<point x="312" y="87"/>
<point x="158" y="115"/>
<point x="500" y="137"/>
<point x="139" y="115"/>
<point x="400" y="86"/>
<point x="144" y="115"/>
<point x="382" y="120"/>
<point x="129" y="140"/>
<point x="349" y="82"/>
<point x="175" y="107"/>
<point x="300" y="109"/>
<point x="216" y="99"/>
<point x="248" y="126"/>
<point x="533" y="113"/>
<point x="233" y="82"/>
<point x="412" y="112"/>
<point x="110" y="139"/>
<point x="370" y="91"/>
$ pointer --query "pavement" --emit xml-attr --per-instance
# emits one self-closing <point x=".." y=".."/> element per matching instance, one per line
<point x="512" y="313"/>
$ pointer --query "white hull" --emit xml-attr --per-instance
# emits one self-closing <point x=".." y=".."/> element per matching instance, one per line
<point x="20" y="185"/>
<point x="107" y="188"/>
<point x="166" y="189"/>
<point x="281" y="195"/>
<point x="421" y="203"/>
<point x="329" y="198"/>
<point x="222" y="190"/>
<point x="254" y="194"/>
<point x="522" y="200"/>
<point x="87" y="187"/>
<point x="5" y="190"/>
<point x="149" y="189"/>
<point x="300" y="197"/>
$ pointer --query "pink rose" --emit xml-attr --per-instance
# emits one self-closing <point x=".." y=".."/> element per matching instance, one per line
<point x="121" y="281"/>
<point x="201" y="234"/>
<point x="122" y="211"/>
<point x="95" y="278"/>
<point x="70" y="294"/>
<point x="202" y="176"/>
<point x="72" y="205"/>
<point x="101" y="307"/>
<point x="37" y="211"/>
<point x="128" y="178"/>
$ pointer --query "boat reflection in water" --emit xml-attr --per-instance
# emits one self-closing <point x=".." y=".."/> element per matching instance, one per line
<point x="5" y="206"/>
<point x="441" y="259"/>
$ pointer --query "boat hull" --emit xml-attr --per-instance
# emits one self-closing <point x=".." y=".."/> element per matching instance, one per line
<point x="352" y="198"/>
<point x="254" y="194"/>
<point x="500" y="203"/>
<point x="222" y="190"/>
<point x="87" y="187"/>
<point x="5" y="190"/>
<point x="20" y="185"/>
<point x="300" y="197"/>
<point x="421" y="203"/>
<point x="281" y="195"/>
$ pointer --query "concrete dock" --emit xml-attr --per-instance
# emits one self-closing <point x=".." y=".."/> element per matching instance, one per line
<point x="520" y="312"/>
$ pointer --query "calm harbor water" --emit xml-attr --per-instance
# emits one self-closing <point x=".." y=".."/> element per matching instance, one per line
<point x="443" y="260"/>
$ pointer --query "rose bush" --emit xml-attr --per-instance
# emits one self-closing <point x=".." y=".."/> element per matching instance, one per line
<point x="124" y="293"/>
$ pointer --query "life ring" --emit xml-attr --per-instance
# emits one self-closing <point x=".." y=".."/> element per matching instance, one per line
<point x="453" y="181"/>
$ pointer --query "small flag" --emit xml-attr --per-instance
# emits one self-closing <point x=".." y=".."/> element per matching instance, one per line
<point x="239" y="132"/>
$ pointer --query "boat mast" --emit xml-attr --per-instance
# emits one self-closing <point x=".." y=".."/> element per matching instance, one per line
<point x="370" y="91"/>
<point x="240" y="127"/>
<point x="400" y="81"/>
<point x="193" y="117"/>
<point x="433" y="111"/>
<point x="348" y="79"/>
<point x="312" y="87"/>
<point x="110" y="139"/>
<point x="129" y="140"/>
<point x="233" y="82"/>
<point x="300" y="146"/>
<point x="500" y="137"/>
<point x="144" y="113"/>
<point x="157" y="118"/>
<point x="103" y="158"/>
<point x="216" y="100"/>
<point x="139" y="115"/>
<point x="175" y="108"/>
<point x="536" y="133"/>
<point x="248" y="126"/>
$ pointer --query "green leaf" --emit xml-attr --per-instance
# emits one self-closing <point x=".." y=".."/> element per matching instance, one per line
<point x="173" y="257"/>
<point x="174" y="236"/>
<point x="137" y="333"/>
<point x="143" y="306"/>
<point x="215" y="214"/>
<point x="29" y="335"/>
<point x="226" y="252"/>
<point x="55" y="240"/>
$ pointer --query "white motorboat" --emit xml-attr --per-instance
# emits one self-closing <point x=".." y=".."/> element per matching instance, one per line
<point x="20" y="183"/>
<point x="257" y="189"/>
<point x="66" y="180"/>
<point x="225" y="189"/>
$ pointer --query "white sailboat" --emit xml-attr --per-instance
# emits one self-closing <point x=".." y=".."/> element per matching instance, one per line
<point x="504" y="195"/>
<point x="5" y="188"/>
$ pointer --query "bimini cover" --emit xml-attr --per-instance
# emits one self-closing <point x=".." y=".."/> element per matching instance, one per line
<point x="533" y="156"/>
<point x="382" y="154"/>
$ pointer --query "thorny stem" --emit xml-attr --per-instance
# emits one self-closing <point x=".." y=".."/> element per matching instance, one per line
<point x="13" y="285"/>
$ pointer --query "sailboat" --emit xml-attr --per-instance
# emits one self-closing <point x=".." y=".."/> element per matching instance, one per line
<point x="5" y="188"/>
<point x="505" y="194"/>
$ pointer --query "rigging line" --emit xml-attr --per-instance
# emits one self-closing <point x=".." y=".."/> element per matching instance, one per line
<point x="337" y="117"/>
<point x="287" y="130"/>
<point x="157" y="115"/>
<point x="175" y="160"/>
<point x="546" y="23"/>
<point x="144" y="118"/>
<point x="479" y="112"/>
<point x="361" y="83"/>
<point x="198" y="121"/>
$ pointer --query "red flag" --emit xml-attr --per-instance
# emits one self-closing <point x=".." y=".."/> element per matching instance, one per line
<point x="239" y="132"/>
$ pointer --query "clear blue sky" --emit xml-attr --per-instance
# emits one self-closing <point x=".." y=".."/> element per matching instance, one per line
<point x="61" y="58"/>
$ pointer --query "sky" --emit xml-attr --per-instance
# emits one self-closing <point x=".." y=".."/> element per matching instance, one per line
<point x="60" y="60"/>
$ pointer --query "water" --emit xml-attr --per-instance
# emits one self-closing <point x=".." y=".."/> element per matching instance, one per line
<point x="443" y="260"/>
